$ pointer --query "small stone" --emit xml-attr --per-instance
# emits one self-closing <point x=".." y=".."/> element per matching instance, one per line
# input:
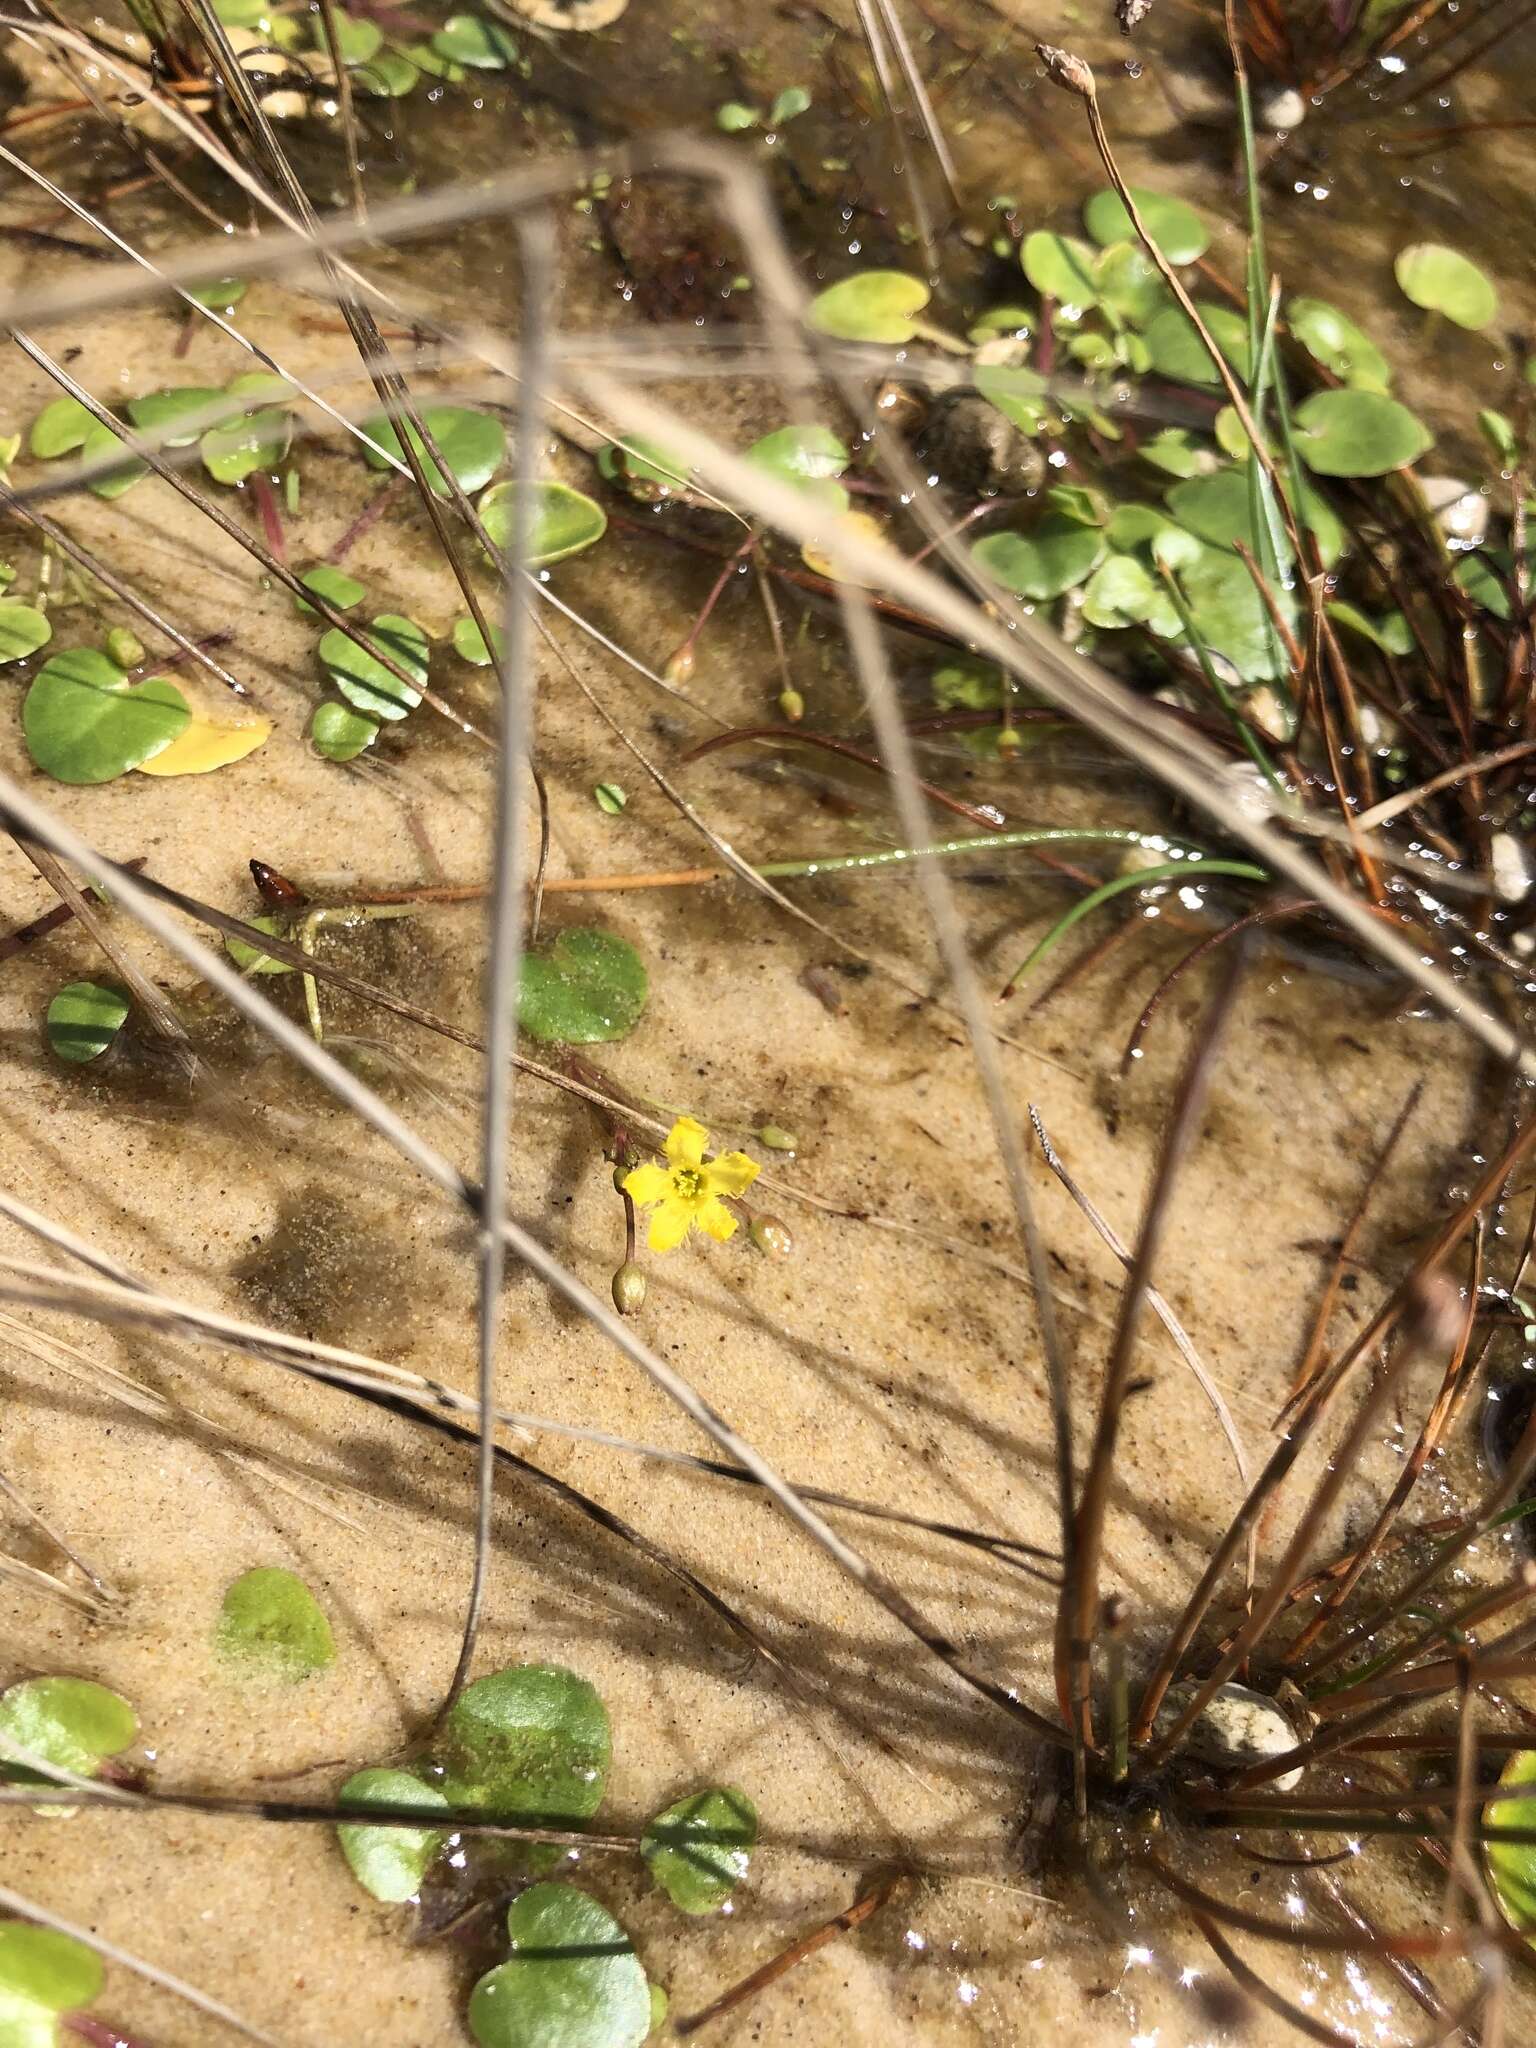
<point x="1282" y="111"/>
<point x="969" y="444"/>
<point x="1510" y="860"/>
<point x="1236" y="1729"/>
<point x="629" y="1288"/>
<point x="1459" y="509"/>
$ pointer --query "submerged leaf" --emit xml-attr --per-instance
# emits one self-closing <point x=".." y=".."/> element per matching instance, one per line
<point x="389" y="1862"/>
<point x="364" y="680"/>
<point x="70" y="1722"/>
<point x="470" y="40"/>
<point x="22" y="630"/>
<point x="42" y="1974"/>
<point x="207" y="744"/>
<point x="1512" y="1865"/>
<point x="471" y="444"/>
<point x="572" y="1980"/>
<point x="564" y="521"/>
<point x="339" y="590"/>
<point x="252" y="441"/>
<point x="1332" y="339"/>
<point x="533" y="1739"/>
<point x="157" y="411"/>
<point x="1358" y="433"/>
<point x="698" y="1848"/>
<point x="84" y="1018"/>
<point x="586" y="987"/>
<point x="101" y="444"/>
<point x="85" y="722"/>
<point x="60" y="428"/>
<point x="1018" y="392"/>
<point x="340" y="733"/>
<point x="246" y="957"/>
<point x="271" y="1622"/>
<point x="872" y="305"/>
<point x="356" y="40"/>
<point x="1055" y="557"/>
<point x="1176" y="228"/>
<point x="1177" y="351"/>
<point x="1061" y="267"/>
<point x="1442" y="280"/>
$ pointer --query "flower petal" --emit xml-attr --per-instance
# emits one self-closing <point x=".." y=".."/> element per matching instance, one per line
<point x="670" y="1224"/>
<point x="648" y="1183"/>
<point x="716" y="1220"/>
<point x="731" y="1174"/>
<point x="686" y="1141"/>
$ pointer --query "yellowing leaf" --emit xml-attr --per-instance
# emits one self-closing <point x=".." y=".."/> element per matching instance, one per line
<point x="860" y="526"/>
<point x="206" y="745"/>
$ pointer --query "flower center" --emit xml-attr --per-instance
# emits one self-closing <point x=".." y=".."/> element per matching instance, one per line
<point x="687" y="1183"/>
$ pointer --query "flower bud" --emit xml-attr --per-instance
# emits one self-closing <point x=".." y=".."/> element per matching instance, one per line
<point x="629" y="1286"/>
<point x="1065" y="70"/>
<point x="771" y="1236"/>
<point x="792" y="704"/>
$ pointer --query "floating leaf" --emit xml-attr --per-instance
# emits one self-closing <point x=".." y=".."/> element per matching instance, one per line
<point x="698" y="1849"/>
<point x="1019" y="394"/>
<point x="434" y="63"/>
<point x="1178" y="352"/>
<point x="388" y="76"/>
<point x="564" y="522"/>
<point x="339" y="590"/>
<point x="42" y="1974"/>
<point x="471" y="443"/>
<point x="572" y="1980"/>
<point x="84" y="1018"/>
<point x="255" y="440"/>
<point x="475" y="43"/>
<point x="246" y="957"/>
<point x="1062" y="268"/>
<point x="85" y="722"/>
<point x="269" y="1620"/>
<point x="1357" y="433"/>
<point x="60" y="428"/>
<point x="610" y="798"/>
<point x="649" y="469"/>
<point x="1232" y="618"/>
<point x="735" y="117"/>
<point x="1512" y="1865"/>
<point x="469" y="643"/>
<point x="70" y="1722"/>
<point x="389" y="1862"/>
<point x="340" y="733"/>
<point x="1332" y="339"/>
<point x="1441" y="280"/>
<point x="793" y="101"/>
<point x="1122" y="592"/>
<point x="356" y="40"/>
<point x="101" y="444"/>
<point x="1176" y="452"/>
<point x="1058" y="555"/>
<point x="209" y="743"/>
<point x="1129" y="283"/>
<point x="157" y="412"/>
<point x="794" y="453"/>
<point x="586" y="987"/>
<point x="1176" y="229"/>
<point x="225" y="292"/>
<point x="364" y="680"/>
<point x="872" y="305"/>
<point x="22" y="630"/>
<point x="533" y="1739"/>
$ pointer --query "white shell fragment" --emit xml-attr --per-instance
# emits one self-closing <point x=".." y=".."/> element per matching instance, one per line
<point x="1282" y="111"/>
<point x="1238" y="1727"/>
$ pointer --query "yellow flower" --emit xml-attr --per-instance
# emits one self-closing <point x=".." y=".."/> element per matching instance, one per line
<point x="688" y="1188"/>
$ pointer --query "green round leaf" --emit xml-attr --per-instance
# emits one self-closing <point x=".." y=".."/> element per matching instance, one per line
<point x="102" y="445"/>
<point x="340" y="734"/>
<point x="645" y="466"/>
<point x="1176" y="452"/>
<point x="586" y="987"/>
<point x="564" y="521"/>
<point x="84" y="1018"/>
<point x="1062" y="268"/>
<point x="796" y="453"/>
<point x="433" y="62"/>
<point x="1357" y="433"/>
<point x="793" y="101"/>
<point x="85" y="722"/>
<point x="51" y="1972"/>
<point x="364" y="680"/>
<point x="479" y="45"/>
<point x="60" y="428"/>
<point x="735" y="117"/>
<point x="533" y="1740"/>
<point x="872" y="305"/>
<point x="1121" y="592"/>
<point x="70" y="1722"/>
<point x="157" y="411"/>
<point x="698" y="1849"/>
<point x="1177" y="229"/>
<point x="469" y="643"/>
<point x="223" y="293"/>
<point x="471" y="444"/>
<point x="255" y="440"/>
<point x="339" y="590"/>
<point x="1441" y="280"/>
<point x="1058" y="555"/>
<point x="1391" y="632"/>
<point x="388" y="76"/>
<point x="1512" y="1865"/>
<point x="271" y="1623"/>
<point x="1174" y="343"/>
<point x="22" y="630"/>
<point x="572" y="1981"/>
<point x="356" y="40"/>
<point x="1231" y="617"/>
<point x="1332" y="339"/>
<point x="390" y="1862"/>
<point x="246" y="957"/>
<point x="1018" y="392"/>
<point x="966" y="683"/>
<point x="1129" y="283"/>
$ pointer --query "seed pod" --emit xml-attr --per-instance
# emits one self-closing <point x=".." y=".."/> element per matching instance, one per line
<point x="1065" y="70"/>
<point x="629" y="1288"/>
<point x="124" y="647"/>
<point x="792" y="704"/>
<point x="776" y="1138"/>
<point x="771" y="1236"/>
<point x="679" y="665"/>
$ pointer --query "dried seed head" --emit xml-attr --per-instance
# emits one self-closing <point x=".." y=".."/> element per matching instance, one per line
<point x="1065" y="70"/>
<point x="629" y="1287"/>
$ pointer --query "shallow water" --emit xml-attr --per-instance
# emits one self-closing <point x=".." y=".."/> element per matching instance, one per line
<point x="872" y="1360"/>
